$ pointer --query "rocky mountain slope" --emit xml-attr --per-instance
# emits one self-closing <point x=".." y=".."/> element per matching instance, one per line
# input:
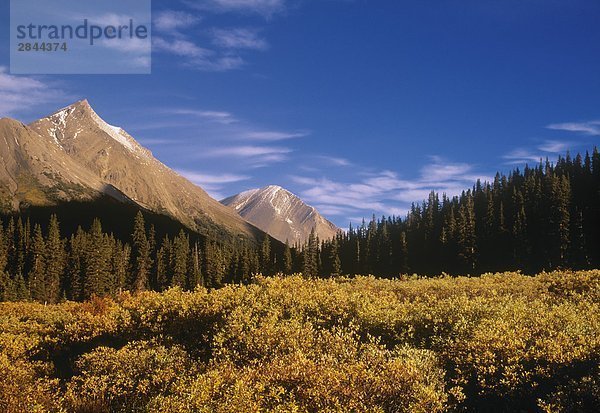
<point x="73" y="154"/>
<point x="33" y="171"/>
<point x="280" y="214"/>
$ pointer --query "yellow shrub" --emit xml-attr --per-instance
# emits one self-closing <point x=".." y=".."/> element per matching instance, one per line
<point x="500" y="342"/>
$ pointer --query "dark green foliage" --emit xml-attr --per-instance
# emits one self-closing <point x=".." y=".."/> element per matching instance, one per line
<point x="97" y="275"/>
<point x="42" y="266"/>
<point x="266" y="263"/>
<point x="141" y="255"/>
<point x="310" y="256"/>
<point x="54" y="260"/>
<point x="181" y="252"/>
<point x="543" y="218"/>
<point x="36" y="275"/>
<point x="287" y="259"/>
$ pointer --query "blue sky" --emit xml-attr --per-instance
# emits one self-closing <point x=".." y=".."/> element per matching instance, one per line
<point x="360" y="107"/>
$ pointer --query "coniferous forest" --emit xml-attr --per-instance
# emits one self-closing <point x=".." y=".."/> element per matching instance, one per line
<point x="542" y="218"/>
<point x="43" y="265"/>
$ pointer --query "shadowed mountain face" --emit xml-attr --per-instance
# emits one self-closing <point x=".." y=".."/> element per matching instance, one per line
<point x="281" y="214"/>
<point x="74" y="155"/>
<point x="34" y="171"/>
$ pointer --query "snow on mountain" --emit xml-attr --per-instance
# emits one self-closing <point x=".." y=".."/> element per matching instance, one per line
<point x="281" y="214"/>
<point x="117" y="160"/>
<point x="57" y="125"/>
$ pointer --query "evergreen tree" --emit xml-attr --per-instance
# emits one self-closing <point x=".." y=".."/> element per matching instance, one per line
<point x="163" y="264"/>
<point x="97" y="277"/>
<point x="120" y="265"/>
<point x="194" y="268"/>
<point x="334" y="258"/>
<point x="36" y="276"/>
<point x="141" y="255"/>
<point x="265" y="256"/>
<point x="287" y="259"/>
<point x="54" y="261"/>
<point x="466" y="234"/>
<point x="181" y="250"/>
<point x="3" y="249"/>
<point x="73" y="283"/>
<point x="310" y="256"/>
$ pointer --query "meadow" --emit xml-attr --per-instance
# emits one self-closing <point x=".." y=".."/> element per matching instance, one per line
<point x="496" y="343"/>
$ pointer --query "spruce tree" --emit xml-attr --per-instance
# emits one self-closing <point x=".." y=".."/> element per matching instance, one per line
<point x="334" y="258"/>
<point x="181" y="251"/>
<point x="120" y="264"/>
<point x="36" y="276"/>
<point x="97" y="278"/>
<point x="142" y="262"/>
<point x="310" y="256"/>
<point x="287" y="259"/>
<point x="3" y="249"/>
<point x="194" y="268"/>
<point x="163" y="264"/>
<point x="54" y="260"/>
<point x="265" y="256"/>
<point x="466" y="234"/>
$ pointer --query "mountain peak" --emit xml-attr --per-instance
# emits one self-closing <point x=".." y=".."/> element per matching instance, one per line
<point x="281" y="214"/>
<point x="81" y="105"/>
<point x="75" y="121"/>
<point x="107" y="156"/>
<point x="273" y="188"/>
<point x="83" y="102"/>
<point x="10" y="122"/>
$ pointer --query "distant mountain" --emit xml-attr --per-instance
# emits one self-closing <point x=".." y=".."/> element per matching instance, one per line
<point x="74" y="155"/>
<point x="280" y="214"/>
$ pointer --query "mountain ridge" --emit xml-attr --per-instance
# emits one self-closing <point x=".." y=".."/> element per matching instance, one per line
<point x="281" y="214"/>
<point x="73" y="154"/>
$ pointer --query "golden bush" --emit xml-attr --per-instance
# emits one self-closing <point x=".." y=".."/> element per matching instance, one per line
<point x="500" y="342"/>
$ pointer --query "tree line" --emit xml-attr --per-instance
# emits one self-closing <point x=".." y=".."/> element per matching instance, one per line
<point x="542" y="218"/>
<point x="44" y="266"/>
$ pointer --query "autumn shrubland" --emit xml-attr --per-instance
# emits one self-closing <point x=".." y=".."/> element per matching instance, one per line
<point x="500" y="342"/>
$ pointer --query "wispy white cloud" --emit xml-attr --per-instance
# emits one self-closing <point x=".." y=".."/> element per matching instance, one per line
<point x="552" y="146"/>
<point x="137" y="51"/>
<point x="538" y="153"/>
<point x="213" y="50"/>
<point x="133" y="46"/>
<point x="266" y="8"/>
<point x="222" y="117"/>
<point x="172" y="21"/>
<point x="272" y="136"/>
<point x="171" y="25"/>
<point x="385" y="192"/>
<point x="252" y="156"/>
<point x="440" y="171"/>
<point x="196" y="57"/>
<point x="212" y="183"/>
<point x="207" y="179"/>
<point x="239" y="38"/>
<point x="246" y="151"/>
<point x="218" y="63"/>
<point x="588" y="128"/>
<point x="333" y="160"/>
<point x="522" y="156"/>
<point x="233" y="128"/>
<point x="21" y="93"/>
<point x="180" y="47"/>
